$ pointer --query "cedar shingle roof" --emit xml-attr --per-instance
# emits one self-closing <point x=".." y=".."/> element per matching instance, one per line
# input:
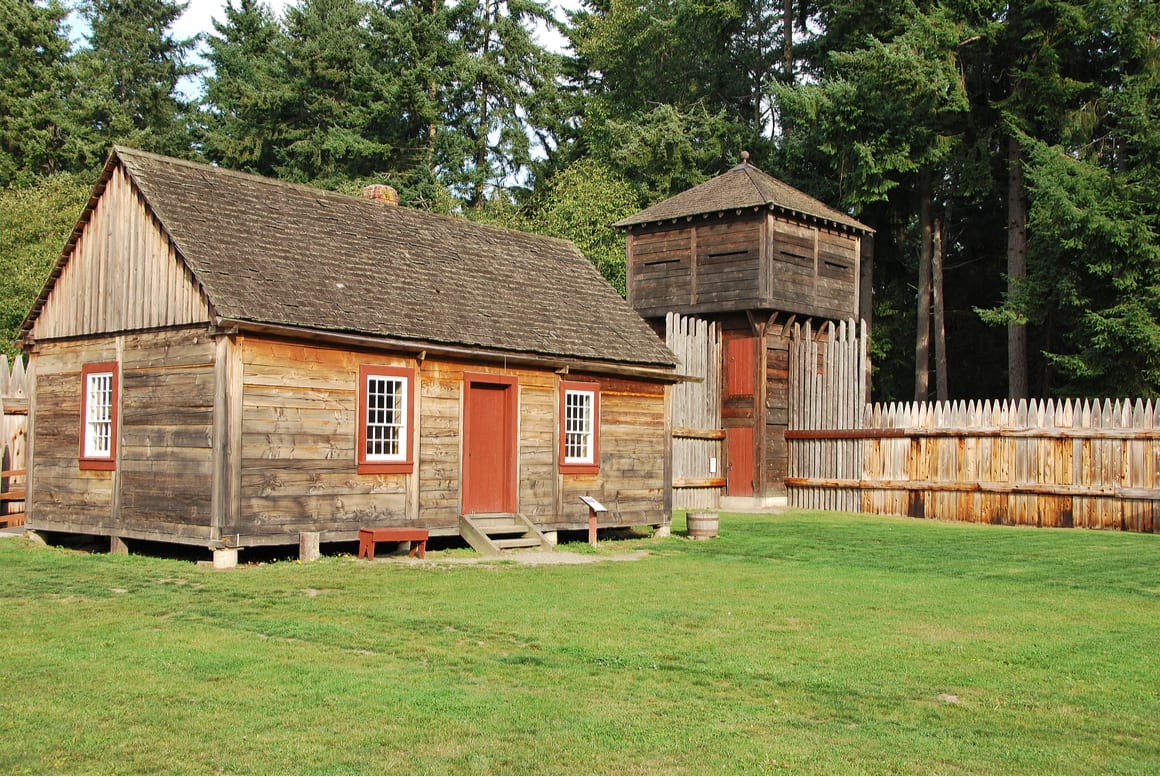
<point x="744" y="187"/>
<point x="271" y="252"/>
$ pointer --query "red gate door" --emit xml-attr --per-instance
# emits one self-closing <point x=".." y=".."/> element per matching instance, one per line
<point x="738" y="410"/>
<point x="739" y="449"/>
<point x="489" y="444"/>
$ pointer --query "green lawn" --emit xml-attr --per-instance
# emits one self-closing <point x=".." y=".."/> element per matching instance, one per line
<point x="803" y="642"/>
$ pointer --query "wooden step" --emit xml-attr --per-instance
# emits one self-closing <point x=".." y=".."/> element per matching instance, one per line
<point x="517" y="542"/>
<point x="499" y="525"/>
<point x="492" y="533"/>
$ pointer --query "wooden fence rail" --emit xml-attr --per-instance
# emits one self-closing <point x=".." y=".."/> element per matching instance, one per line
<point x="1093" y="464"/>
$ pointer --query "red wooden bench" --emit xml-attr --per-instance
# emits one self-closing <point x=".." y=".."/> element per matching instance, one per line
<point x="368" y="537"/>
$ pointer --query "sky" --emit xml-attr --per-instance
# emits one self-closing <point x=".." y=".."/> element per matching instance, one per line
<point x="198" y="15"/>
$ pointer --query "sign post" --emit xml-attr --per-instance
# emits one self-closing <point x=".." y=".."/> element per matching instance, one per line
<point x="594" y="509"/>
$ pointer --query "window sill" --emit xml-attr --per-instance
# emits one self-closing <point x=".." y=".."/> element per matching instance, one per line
<point x="386" y="467"/>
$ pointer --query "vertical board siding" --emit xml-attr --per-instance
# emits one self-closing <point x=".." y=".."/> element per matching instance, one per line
<point x="696" y="413"/>
<point x="123" y="274"/>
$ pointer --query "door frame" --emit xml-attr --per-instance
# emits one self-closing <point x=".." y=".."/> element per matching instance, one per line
<point x="510" y="385"/>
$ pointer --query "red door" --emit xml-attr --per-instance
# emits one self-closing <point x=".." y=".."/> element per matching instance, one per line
<point x="489" y="444"/>
<point x="738" y="410"/>
<point x="739" y="449"/>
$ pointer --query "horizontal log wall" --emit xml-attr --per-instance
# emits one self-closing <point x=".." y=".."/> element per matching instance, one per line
<point x="123" y="273"/>
<point x="298" y="468"/>
<point x="298" y="434"/>
<point x="633" y="444"/>
<point x="161" y="488"/>
<point x="1090" y="464"/>
<point x="812" y="270"/>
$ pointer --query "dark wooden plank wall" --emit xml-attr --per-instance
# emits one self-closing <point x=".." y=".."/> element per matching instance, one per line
<point x="747" y="262"/>
<point x="813" y="270"/>
<point x="161" y="488"/>
<point x="728" y="263"/>
<point x="661" y="269"/>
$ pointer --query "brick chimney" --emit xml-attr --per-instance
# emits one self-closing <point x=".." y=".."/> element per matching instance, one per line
<point x="380" y="193"/>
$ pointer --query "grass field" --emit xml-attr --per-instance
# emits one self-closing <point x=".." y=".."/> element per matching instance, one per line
<point x="795" y="643"/>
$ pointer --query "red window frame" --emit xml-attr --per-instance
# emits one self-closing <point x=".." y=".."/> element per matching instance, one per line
<point x="579" y="468"/>
<point x="407" y="463"/>
<point x="87" y="460"/>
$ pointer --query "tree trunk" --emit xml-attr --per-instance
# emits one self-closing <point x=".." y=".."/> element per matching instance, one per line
<point x="940" y="332"/>
<point x="787" y="41"/>
<point x="484" y="128"/>
<point x="922" y="338"/>
<point x="1016" y="268"/>
<point x="433" y="96"/>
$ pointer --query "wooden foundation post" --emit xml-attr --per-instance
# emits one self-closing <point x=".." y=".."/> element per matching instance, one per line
<point x="117" y="546"/>
<point x="308" y="546"/>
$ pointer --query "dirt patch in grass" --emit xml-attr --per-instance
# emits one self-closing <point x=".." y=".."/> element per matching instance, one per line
<point x="531" y="557"/>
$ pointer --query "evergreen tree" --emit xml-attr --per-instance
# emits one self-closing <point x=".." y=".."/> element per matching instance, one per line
<point x="1094" y="222"/>
<point x="34" y="73"/>
<point x="128" y="76"/>
<point x="337" y="123"/>
<point x="504" y="84"/>
<point x="35" y="222"/>
<point x="245" y="89"/>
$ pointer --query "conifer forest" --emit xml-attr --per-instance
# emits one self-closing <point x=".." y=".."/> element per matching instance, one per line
<point x="1006" y="153"/>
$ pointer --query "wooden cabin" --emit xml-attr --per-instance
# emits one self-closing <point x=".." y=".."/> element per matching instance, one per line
<point x="755" y="256"/>
<point x="224" y="360"/>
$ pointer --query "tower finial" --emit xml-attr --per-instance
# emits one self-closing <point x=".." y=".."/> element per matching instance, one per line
<point x="744" y="157"/>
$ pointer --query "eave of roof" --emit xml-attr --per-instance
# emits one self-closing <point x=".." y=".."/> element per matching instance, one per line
<point x="740" y="189"/>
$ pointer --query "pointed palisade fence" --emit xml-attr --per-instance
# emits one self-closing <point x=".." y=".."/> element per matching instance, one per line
<point x="827" y="389"/>
<point x="13" y="437"/>
<point x="1090" y="464"/>
<point x="696" y="413"/>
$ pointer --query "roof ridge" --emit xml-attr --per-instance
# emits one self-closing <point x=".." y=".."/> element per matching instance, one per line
<point x="746" y="168"/>
<point x="122" y="151"/>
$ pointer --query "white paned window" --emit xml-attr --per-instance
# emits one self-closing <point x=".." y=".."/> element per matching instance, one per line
<point x="98" y="415"/>
<point x="579" y="426"/>
<point x="386" y="418"/>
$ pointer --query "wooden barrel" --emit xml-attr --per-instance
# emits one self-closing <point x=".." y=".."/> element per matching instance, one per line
<point x="701" y="525"/>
